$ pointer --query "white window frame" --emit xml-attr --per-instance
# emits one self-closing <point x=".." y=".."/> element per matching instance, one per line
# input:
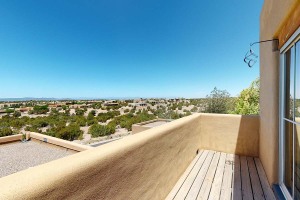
<point x="282" y="74"/>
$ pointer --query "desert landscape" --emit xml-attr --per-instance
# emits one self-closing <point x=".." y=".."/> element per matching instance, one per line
<point x="90" y="122"/>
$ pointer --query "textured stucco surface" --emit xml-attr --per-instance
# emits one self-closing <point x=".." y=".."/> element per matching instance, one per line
<point x="272" y="17"/>
<point x="233" y="134"/>
<point x="136" y="128"/>
<point x="11" y="138"/>
<point x="57" y="141"/>
<point x="141" y="166"/>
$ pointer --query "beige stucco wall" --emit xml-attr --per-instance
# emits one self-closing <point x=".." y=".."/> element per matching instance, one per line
<point x="57" y="141"/>
<point x="234" y="134"/>
<point x="11" y="138"/>
<point x="272" y="16"/>
<point x="141" y="166"/>
<point x="138" y="128"/>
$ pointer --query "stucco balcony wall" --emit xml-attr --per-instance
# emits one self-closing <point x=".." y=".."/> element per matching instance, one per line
<point x="234" y="134"/>
<point x="141" y="166"/>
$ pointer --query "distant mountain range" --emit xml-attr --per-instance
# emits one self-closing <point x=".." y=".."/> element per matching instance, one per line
<point x="31" y="99"/>
<point x="60" y="99"/>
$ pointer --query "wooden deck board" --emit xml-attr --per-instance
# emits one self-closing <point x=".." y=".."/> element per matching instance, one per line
<point x="180" y="182"/>
<point x="216" y="186"/>
<point x="226" y="189"/>
<point x="255" y="182"/>
<point x="191" y="178"/>
<point x="214" y="175"/>
<point x="206" y="186"/>
<point x="196" y="186"/>
<point x="269" y="195"/>
<point x="246" y="184"/>
<point x="237" y="184"/>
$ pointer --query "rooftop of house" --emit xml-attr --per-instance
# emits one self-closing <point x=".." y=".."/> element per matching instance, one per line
<point x="17" y="156"/>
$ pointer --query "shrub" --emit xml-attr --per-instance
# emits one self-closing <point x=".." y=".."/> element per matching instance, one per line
<point x="71" y="132"/>
<point x="103" y="117"/>
<point x="17" y="123"/>
<point x="194" y="109"/>
<point x="9" y="111"/>
<point x="5" y="131"/>
<point x="32" y="129"/>
<point x="79" y="112"/>
<point x="97" y="130"/>
<point x="17" y="114"/>
<point x="93" y="112"/>
<point x="40" y="109"/>
<point x="91" y="122"/>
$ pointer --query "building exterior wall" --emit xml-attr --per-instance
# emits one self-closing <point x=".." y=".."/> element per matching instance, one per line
<point x="273" y="16"/>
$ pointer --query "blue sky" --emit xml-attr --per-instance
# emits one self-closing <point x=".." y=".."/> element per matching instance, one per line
<point x="126" y="48"/>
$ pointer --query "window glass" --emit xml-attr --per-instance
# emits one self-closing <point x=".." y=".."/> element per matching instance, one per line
<point x="297" y="83"/>
<point x="289" y="85"/>
<point x="297" y="162"/>
<point x="288" y="154"/>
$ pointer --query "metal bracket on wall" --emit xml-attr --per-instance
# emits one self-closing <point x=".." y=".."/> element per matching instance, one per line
<point x="251" y="58"/>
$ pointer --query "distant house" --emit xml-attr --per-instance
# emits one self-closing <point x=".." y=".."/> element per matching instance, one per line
<point x="25" y="109"/>
<point x="111" y="103"/>
<point x="139" y="104"/>
<point x="52" y="106"/>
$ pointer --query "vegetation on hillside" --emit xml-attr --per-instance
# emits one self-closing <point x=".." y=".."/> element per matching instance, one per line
<point x="102" y="120"/>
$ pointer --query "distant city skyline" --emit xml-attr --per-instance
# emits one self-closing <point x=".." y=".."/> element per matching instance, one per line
<point x="121" y="49"/>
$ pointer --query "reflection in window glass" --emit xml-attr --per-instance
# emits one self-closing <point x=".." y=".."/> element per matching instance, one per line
<point x="297" y="83"/>
<point x="289" y="83"/>
<point x="288" y="154"/>
<point x="297" y="162"/>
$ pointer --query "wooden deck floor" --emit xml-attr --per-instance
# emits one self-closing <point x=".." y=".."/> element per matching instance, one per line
<point x="214" y="175"/>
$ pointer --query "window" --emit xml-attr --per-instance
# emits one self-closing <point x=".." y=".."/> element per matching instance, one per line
<point x="290" y="119"/>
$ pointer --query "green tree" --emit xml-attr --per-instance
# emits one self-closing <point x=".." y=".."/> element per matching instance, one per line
<point x="217" y="101"/>
<point x="248" y="101"/>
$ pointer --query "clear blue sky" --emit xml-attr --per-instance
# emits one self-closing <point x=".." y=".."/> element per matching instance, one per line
<point x="126" y="48"/>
